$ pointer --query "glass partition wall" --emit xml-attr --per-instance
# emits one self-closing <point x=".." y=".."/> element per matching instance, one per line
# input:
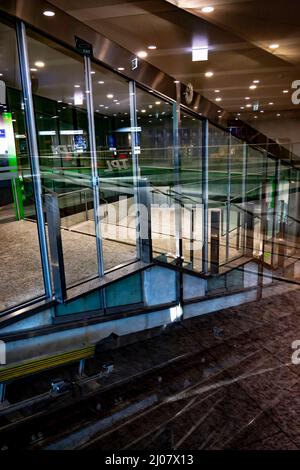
<point x="21" y="278"/>
<point x="144" y="144"/>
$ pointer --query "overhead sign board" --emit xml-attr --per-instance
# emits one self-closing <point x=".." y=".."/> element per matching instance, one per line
<point x="84" y="47"/>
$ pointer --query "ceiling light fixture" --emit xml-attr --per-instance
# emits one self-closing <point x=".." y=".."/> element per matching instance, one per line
<point x="218" y="99"/>
<point x="176" y="81"/>
<point x="142" y="54"/>
<point x="285" y="91"/>
<point x="32" y="70"/>
<point x="121" y="68"/>
<point x="273" y="46"/>
<point x="152" y="47"/>
<point x="207" y="9"/>
<point x="217" y="91"/>
<point x="209" y="74"/>
<point x="39" y="64"/>
<point x="199" y="54"/>
<point x="252" y="87"/>
<point x="101" y="82"/>
<point x="157" y="102"/>
<point x="255" y="81"/>
<point x="48" y="13"/>
<point x="271" y="103"/>
<point x="76" y="86"/>
<point x="110" y="96"/>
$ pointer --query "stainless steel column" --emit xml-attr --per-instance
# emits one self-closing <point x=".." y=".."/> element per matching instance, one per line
<point x="177" y="169"/>
<point x="135" y="149"/>
<point x="94" y="165"/>
<point x="244" y="193"/>
<point x="33" y="152"/>
<point x="274" y="253"/>
<point x="228" y="205"/>
<point x="205" y="195"/>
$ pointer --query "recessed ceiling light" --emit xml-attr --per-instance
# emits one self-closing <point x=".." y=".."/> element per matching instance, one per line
<point x="285" y="91"/>
<point x="142" y="54"/>
<point x="242" y="107"/>
<point x="93" y="72"/>
<point x="110" y="96"/>
<point x="217" y="91"/>
<point x="195" y="107"/>
<point x="106" y="107"/>
<point x="252" y="87"/>
<point x="115" y="101"/>
<point x="76" y="86"/>
<point x="218" y="99"/>
<point x="101" y="105"/>
<point x="209" y="74"/>
<point x="157" y="102"/>
<point x="31" y="70"/>
<point x="118" y="103"/>
<point x="248" y="105"/>
<point x="278" y="114"/>
<point x="101" y="82"/>
<point x="143" y="110"/>
<point x="48" y="13"/>
<point x="238" y="114"/>
<point x="176" y="81"/>
<point x="152" y="47"/>
<point x="207" y="9"/>
<point x="1" y="74"/>
<point x="59" y="101"/>
<point x="39" y="64"/>
<point x="271" y="103"/>
<point x="273" y="46"/>
<point x="219" y="111"/>
<point x="121" y="68"/>
<point x="255" y="117"/>
<point x="247" y="97"/>
<point x="255" y="81"/>
<point x="262" y="111"/>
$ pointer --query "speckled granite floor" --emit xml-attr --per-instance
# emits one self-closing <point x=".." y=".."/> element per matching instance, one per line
<point x="21" y="274"/>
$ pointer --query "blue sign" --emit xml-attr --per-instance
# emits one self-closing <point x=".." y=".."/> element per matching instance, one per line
<point x="2" y="134"/>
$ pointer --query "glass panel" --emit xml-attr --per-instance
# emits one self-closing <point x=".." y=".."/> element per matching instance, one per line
<point x="115" y="166"/>
<point x="190" y="138"/>
<point x="155" y="120"/>
<point x="21" y="271"/>
<point x="218" y="187"/>
<point x="62" y="126"/>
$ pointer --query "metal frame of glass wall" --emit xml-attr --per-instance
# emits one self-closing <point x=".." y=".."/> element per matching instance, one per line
<point x="140" y="183"/>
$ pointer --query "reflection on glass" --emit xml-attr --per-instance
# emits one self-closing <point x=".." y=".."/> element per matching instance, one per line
<point x="156" y="163"/>
<point x="115" y="167"/>
<point x="21" y="272"/>
<point x="62" y="127"/>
